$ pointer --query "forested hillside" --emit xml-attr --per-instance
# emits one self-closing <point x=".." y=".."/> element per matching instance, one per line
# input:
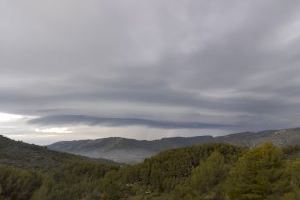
<point x="20" y="154"/>
<point x="209" y="171"/>
<point x="31" y="172"/>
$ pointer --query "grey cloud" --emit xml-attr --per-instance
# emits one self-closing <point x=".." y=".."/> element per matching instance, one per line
<point x="115" y="122"/>
<point x="233" y="62"/>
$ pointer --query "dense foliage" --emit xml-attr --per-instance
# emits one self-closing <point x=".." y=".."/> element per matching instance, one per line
<point x="205" y="172"/>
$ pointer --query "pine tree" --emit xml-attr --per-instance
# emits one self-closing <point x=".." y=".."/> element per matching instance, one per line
<point x="258" y="175"/>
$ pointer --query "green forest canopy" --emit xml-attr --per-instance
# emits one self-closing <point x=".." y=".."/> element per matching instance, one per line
<point x="208" y="172"/>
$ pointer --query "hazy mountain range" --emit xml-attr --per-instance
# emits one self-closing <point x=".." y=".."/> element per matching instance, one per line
<point x="131" y="150"/>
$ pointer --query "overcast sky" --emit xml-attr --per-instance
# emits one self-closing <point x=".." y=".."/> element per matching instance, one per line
<point x="73" y="69"/>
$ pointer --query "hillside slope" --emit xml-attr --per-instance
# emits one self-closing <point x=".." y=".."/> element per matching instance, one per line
<point x="208" y="171"/>
<point x="25" y="155"/>
<point x="125" y="150"/>
<point x="131" y="151"/>
<point x="283" y="137"/>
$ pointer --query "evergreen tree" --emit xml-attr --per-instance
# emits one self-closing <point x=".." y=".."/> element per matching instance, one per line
<point x="206" y="178"/>
<point x="258" y="175"/>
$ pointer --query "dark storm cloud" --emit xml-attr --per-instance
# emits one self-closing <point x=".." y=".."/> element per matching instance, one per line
<point x="115" y="122"/>
<point x="214" y="62"/>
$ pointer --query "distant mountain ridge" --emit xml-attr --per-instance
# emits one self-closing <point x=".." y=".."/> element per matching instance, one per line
<point x="124" y="150"/>
<point x="130" y="150"/>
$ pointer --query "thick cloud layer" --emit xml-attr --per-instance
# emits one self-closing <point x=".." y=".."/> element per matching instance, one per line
<point x="223" y="63"/>
<point x="116" y="122"/>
